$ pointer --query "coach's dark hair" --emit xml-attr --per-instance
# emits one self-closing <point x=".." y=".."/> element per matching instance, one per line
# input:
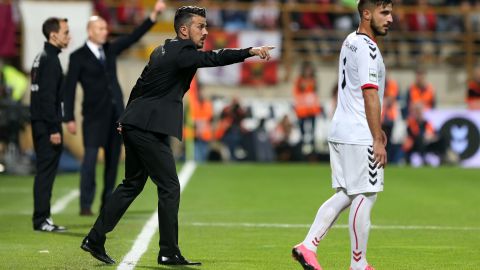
<point x="364" y="4"/>
<point x="184" y="15"/>
<point x="52" y="24"/>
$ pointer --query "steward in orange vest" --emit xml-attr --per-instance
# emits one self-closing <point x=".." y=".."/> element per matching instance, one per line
<point x="307" y="104"/>
<point x="390" y="113"/>
<point x="390" y="104"/>
<point x="421" y="91"/>
<point x="421" y="136"/>
<point x="202" y="114"/>
<point x="306" y="99"/>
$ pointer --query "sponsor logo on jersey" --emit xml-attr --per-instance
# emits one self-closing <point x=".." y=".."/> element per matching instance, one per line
<point x="372" y="75"/>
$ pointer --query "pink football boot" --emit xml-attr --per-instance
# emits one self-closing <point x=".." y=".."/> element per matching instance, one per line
<point x="306" y="257"/>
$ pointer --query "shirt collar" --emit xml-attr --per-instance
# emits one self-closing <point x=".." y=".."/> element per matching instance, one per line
<point x="94" y="48"/>
<point x="51" y="48"/>
<point x="363" y="34"/>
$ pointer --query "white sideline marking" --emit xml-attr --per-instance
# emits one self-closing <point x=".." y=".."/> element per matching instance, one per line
<point x="143" y="239"/>
<point x="58" y="207"/>
<point x="61" y="203"/>
<point x="340" y="226"/>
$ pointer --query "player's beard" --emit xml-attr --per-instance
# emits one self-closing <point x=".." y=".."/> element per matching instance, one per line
<point x="377" y="29"/>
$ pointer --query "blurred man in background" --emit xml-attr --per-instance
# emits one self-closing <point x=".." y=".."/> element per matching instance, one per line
<point x="46" y="118"/>
<point x="422" y="145"/>
<point x="95" y="66"/>
<point x="307" y="105"/>
<point x="420" y="91"/>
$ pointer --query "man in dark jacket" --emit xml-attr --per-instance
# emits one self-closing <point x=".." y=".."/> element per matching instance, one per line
<point x="94" y="66"/>
<point x="155" y="112"/>
<point x="46" y="117"/>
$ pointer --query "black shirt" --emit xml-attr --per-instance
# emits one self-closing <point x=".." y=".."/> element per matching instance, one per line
<point x="47" y="77"/>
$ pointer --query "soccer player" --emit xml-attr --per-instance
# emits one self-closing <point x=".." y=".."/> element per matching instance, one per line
<point x="356" y="140"/>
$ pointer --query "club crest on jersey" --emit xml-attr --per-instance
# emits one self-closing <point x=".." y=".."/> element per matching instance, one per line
<point x="372" y="75"/>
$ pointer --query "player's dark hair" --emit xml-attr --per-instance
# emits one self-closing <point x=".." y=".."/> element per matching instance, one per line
<point x="52" y="24"/>
<point x="365" y="4"/>
<point x="184" y="15"/>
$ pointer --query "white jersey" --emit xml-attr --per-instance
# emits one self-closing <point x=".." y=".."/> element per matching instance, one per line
<point x="360" y="66"/>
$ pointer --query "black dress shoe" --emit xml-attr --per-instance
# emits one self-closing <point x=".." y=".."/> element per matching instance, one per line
<point x="97" y="251"/>
<point x="86" y="212"/>
<point x="175" y="260"/>
<point x="48" y="226"/>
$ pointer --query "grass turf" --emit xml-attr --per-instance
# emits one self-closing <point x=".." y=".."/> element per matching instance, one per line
<point x="223" y="207"/>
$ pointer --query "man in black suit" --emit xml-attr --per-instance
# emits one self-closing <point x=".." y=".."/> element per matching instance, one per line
<point x="46" y="118"/>
<point x="95" y="66"/>
<point x="154" y="112"/>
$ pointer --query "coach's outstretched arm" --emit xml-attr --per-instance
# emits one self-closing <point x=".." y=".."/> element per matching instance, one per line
<point x="191" y="57"/>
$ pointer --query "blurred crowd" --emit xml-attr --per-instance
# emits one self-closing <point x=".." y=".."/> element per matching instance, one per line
<point x="236" y="15"/>
<point x="265" y="14"/>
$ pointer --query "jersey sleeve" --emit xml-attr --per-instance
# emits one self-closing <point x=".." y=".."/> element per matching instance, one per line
<point x="368" y="67"/>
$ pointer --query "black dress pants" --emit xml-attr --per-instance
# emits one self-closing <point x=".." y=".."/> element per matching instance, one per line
<point x="48" y="157"/>
<point x="112" y="151"/>
<point x="147" y="154"/>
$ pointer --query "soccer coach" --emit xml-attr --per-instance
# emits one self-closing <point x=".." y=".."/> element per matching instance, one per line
<point x="153" y="113"/>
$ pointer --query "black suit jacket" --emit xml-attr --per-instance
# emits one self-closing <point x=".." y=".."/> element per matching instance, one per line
<point x="155" y="103"/>
<point x="102" y="95"/>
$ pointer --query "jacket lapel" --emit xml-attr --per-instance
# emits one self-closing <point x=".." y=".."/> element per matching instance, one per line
<point x="91" y="55"/>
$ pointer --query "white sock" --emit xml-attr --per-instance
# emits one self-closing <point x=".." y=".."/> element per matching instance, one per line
<point x="359" y="226"/>
<point x="326" y="216"/>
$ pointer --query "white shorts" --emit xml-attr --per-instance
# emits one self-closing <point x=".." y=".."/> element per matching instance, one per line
<point x="353" y="168"/>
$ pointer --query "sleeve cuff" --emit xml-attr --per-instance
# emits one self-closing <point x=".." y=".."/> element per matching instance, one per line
<point x="149" y="21"/>
<point x="68" y="118"/>
<point x="247" y="52"/>
<point x="369" y="85"/>
<point x="53" y="129"/>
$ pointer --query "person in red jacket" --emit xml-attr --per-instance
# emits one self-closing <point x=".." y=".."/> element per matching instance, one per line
<point x="423" y="19"/>
<point x="473" y="91"/>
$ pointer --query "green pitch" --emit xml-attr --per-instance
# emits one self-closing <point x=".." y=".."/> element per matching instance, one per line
<point x="248" y="216"/>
